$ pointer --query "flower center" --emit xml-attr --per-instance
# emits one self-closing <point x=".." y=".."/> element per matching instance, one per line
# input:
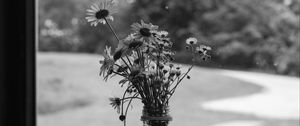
<point x="102" y="14"/>
<point x="145" y="32"/>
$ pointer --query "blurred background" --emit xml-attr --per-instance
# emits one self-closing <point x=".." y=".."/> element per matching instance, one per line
<point x="251" y="80"/>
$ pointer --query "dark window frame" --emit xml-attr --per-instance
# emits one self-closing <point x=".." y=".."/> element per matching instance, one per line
<point x="17" y="63"/>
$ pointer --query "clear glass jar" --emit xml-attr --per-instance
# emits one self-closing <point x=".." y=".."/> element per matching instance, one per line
<point x="156" y="116"/>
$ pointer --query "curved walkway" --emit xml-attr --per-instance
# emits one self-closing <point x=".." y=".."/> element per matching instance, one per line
<point x="279" y="100"/>
<point x="241" y="123"/>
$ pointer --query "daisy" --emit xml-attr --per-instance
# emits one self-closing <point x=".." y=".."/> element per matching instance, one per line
<point x="135" y="70"/>
<point x="202" y="49"/>
<point x="108" y="61"/>
<point x="144" y="30"/>
<point x="130" y="42"/>
<point x="116" y="103"/>
<point x="191" y="41"/>
<point x="100" y="11"/>
<point x="163" y="34"/>
<point x="150" y="73"/>
<point x="110" y="72"/>
<point x="164" y="42"/>
<point x="172" y="72"/>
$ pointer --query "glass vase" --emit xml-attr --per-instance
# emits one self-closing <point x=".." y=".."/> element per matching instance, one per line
<point x="156" y="116"/>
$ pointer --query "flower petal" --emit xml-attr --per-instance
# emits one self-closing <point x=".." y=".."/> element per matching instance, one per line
<point x="97" y="7"/>
<point x="93" y="7"/>
<point x="90" y="17"/>
<point x="90" y="20"/>
<point x="110" y="17"/>
<point x="91" y="14"/>
<point x="102" y="21"/>
<point x="94" y="23"/>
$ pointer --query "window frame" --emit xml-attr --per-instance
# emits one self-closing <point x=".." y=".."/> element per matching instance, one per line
<point x="17" y="62"/>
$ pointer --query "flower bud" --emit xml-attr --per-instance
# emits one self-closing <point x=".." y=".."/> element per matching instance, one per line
<point x="122" y="117"/>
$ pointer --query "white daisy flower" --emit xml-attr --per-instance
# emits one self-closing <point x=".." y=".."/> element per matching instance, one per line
<point x="163" y="34"/>
<point x="124" y="44"/>
<point x="191" y="41"/>
<point x="202" y="49"/>
<point x="143" y="30"/>
<point x="100" y="11"/>
<point x="108" y="61"/>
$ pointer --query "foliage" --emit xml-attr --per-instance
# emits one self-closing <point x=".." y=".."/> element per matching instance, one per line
<point x="246" y="34"/>
<point x="259" y="34"/>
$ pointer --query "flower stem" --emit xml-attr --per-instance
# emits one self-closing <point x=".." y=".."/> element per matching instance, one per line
<point x="135" y="95"/>
<point x="116" y="36"/>
<point x="173" y="89"/>
<point x="123" y="99"/>
<point x="129" y="61"/>
<point x="119" y="74"/>
<point x="131" y="97"/>
<point x="111" y="29"/>
<point x="126" y="64"/>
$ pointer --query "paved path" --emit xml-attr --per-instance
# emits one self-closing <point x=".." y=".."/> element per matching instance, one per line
<point x="241" y="123"/>
<point x="99" y="113"/>
<point x="279" y="100"/>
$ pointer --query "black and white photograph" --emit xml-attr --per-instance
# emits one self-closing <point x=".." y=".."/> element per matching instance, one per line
<point x="154" y="63"/>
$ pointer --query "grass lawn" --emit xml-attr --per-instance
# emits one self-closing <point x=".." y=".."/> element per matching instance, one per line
<point x="69" y="88"/>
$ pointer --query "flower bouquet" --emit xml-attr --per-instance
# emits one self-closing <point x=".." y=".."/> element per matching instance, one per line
<point x="144" y="60"/>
